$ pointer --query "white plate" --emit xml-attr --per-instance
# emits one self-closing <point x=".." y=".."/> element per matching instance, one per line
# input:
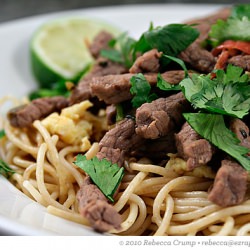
<point x="18" y="214"/>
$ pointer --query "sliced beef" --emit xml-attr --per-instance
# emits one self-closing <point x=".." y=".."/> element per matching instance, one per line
<point x="148" y="62"/>
<point x="192" y="148"/>
<point x="100" y="42"/>
<point x="230" y="184"/>
<point x="25" y="115"/>
<point x="242" y="61"/>
<point x="241" y="130"/>
<point x="94" y="206"/>
<point x="113" y="89"/>
<point x="102" y="67"/>
<point x="158" y="118"/>
<point x="118" y="142"/>
<point x="198" y="58"/>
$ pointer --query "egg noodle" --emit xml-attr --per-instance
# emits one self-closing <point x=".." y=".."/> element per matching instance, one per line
<point x="152" y="200"/>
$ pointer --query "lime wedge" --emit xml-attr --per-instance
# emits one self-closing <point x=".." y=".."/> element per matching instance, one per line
<point x="58" y="48"/>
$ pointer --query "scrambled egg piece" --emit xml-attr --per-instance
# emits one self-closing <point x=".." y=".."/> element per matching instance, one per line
<point x="180" y="166"/>
<point x="71" y="125"/>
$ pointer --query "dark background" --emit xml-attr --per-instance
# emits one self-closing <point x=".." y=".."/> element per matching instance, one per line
<point x="14" y="9"/>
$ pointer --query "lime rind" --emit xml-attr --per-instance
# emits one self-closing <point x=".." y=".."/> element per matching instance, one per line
<point x="58" y="48"/>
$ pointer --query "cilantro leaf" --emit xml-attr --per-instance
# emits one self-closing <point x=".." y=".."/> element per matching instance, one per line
<point x="212" y="127"/>
<point x="120" y="50"/>
<point x="2" y="133"/>
<point x="141" y="90"/>
<point x="170" y="39"/>
<point x="228" y="93"/>
<point x="164" y="85"/>
<point x="5" y="169"/>
<point x="57" y="88"/>
<point x="103" y="173"/>
<point x="113" y="55"/>
<point x="236" y="27"/>
<point x="241" y="10"/>
<point x="232" y="29"/>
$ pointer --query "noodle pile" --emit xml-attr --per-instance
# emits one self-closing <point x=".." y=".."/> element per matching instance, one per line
<point x="152" y="200"/>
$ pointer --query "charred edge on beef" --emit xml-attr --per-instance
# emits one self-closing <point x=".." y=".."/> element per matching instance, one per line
<point x="25" y="115"/>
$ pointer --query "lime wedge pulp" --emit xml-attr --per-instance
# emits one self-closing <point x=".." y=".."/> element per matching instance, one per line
<point x="59" y="51"/>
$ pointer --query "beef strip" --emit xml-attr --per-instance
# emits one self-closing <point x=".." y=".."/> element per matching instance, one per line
<point x="113" y="89"/>
<point x="119" y="141"/>
<point x="25" y="115"/>
<point x="230" y="184"/>
<point x="102" y="67"/>
<point x="148" y="62"/>
<point x="242" y="61"/>
<point x="198" y="58"/>
<point x="161" y="116"/>
<point x="100" y="42"/>
<point x="192" y="148"/>
<point x="94" y="206"/>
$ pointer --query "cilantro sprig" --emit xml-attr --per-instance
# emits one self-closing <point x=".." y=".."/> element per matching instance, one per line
<point x="5" y="169"/>
<point x="120" y="50"/>
<point x="103" y="173"/>
<point x="236" y="27"/>
<point x="141" y="88"/>
<point x="212" y="127"/>
<point x="170" y="39"/>
<point x="228" y="93"/>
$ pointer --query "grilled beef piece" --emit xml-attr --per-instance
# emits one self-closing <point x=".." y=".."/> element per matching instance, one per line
<point x="148" y="62"/>
<point x="158" y="118"/>
<point x="119" y="141"/>
<point x="101" y="67"/>
<point x="242" y="61"/>
<point x="195" y="55"/>
<point x="113" y="89"/>
<point x="230" y="184"/>
<point x="198" y="58"/>
<point x="100" y="42"/>
<point x="94" y="206"/>
<point x="241" y="130"/>
<point x="25" y="115"/>
<point x="192" y="148"/>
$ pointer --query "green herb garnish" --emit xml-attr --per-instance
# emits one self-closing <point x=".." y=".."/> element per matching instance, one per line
<point x="170" y="39"/>
<point x="105" y="175"/>
<point x="5" y="169"/>
<point x="164" y="85"/>
<point x="141" y="90"/>
<point x="228" y="93"/>
<point x="212" y="127"/>
<point x="120" y="50"/>
<point x="236" y="27"/>
<point x="57" y="88"/>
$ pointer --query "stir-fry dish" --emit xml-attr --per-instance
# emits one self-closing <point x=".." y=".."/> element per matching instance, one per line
<point x="152" y="140"/>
